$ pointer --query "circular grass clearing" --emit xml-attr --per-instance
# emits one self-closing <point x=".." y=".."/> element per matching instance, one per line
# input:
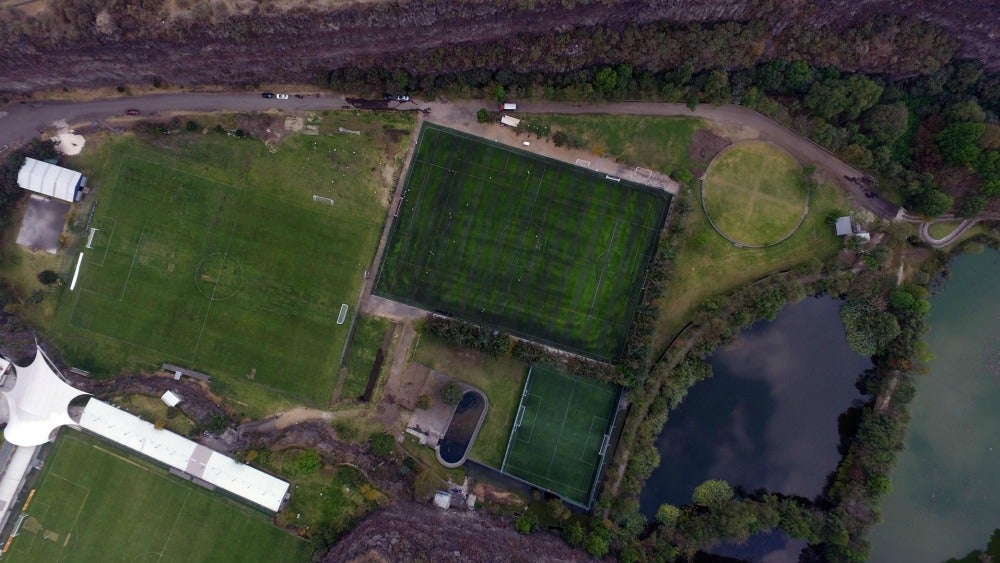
<point x="754" y="194"/>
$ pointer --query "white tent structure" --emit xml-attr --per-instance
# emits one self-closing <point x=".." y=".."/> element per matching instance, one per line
<point x="38" y="404"/>
<point x="184" y="455"/>
<point x="50" y="180"/>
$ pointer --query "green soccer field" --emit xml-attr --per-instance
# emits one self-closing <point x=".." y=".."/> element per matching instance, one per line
<point x="214" y="255"/>
<point x="559" y="432"/>
<point x="541" y="248"/>
<point x="94" y="502"/>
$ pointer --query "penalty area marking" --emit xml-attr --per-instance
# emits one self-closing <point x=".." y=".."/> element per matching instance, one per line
<point x="343" y="314"/>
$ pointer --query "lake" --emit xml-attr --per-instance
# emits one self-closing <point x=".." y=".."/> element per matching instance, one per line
<point x="767" y="418"/>
<point x="945" y="500"/>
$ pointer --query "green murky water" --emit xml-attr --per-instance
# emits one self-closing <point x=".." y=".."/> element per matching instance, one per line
<point x="946" y="485"/>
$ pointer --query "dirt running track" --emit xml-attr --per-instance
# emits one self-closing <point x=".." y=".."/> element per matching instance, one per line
<point x="24" y="121"/>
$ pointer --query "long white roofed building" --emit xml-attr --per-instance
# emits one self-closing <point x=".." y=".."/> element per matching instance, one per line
<point x="182" y="454"/>
<point x="35" y="405"/>
<point x="50" y="180"/>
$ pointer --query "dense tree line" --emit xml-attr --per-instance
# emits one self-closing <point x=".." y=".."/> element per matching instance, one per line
<point x="10" y="192"/>
<point x="925" y="127"/>
<point x="500" y="344"/>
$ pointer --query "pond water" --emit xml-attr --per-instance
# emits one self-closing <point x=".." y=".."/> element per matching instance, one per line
<point x="945" y="500"/>
<point x="767" y="418"/>
<point x="457" y="440"/>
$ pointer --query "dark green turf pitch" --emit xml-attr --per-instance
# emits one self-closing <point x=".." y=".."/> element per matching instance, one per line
<point x="541" y="248"/>
<point x="557" y="445"/>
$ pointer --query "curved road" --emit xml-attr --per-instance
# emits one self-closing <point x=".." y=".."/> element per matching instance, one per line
<point x="26" y="120"/>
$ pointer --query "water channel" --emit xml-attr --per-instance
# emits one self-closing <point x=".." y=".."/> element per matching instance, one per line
<point x="945" y="500"/>
<point x="767" y="418"/>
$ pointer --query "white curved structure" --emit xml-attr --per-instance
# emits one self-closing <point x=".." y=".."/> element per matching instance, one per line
<point x="49" y="179"/>
<point x="38" y="405"/>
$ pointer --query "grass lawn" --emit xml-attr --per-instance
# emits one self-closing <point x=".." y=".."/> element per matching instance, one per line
<point x="94" y="502"/>
<point x="152" y="409"/>
<point x="941" y="229"/>
<point x="211" y="253"/>
<point x="537" y="247"/>
<point x="557" y="444"/>
<point x="708" y="265"/>
<point x="500" y="378"/>
<point x="659" y="143"/>
<point x="367" y="340"/>
<point x="326" y="501"/>
<point x="755" y="192"/>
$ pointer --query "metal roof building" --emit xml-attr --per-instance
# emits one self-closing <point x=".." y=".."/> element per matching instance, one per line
<point x="843" y="226"/>
<point x="50" y="180"/>
<point x="184" y="455"/>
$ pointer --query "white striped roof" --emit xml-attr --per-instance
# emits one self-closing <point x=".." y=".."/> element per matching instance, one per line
<point x="183" y="454"/>
<point x="48" y="179"/>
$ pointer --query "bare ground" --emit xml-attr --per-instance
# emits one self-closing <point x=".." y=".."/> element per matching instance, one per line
<point x="421" y="532"/>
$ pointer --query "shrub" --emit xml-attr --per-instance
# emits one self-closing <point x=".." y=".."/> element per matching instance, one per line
<point x="451" y="393"/>
<point x="382" y="444"/>
<point x="668" y="515"/>
<point x="573" y="534"/>
<point x="714" y="492"/>
<point x="346" y="430"/>
<point x="309" y="462"/>
<point x="424" y="402"/>
<point x="524" y="523"/>
<point x="48" y="277"/>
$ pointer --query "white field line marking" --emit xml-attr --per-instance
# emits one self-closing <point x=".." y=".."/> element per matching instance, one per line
<point x="135" y="256"/>
<point x="76" y="273"/>
<point x="569" y="404"/>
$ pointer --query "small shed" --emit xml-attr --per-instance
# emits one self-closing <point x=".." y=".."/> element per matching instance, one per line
<point x="843" y="226"/>
<point x="511" y="121"/>
<point x="442" y="500"/>
<point x="50" y="180"/>
<point x="171" y="399"/>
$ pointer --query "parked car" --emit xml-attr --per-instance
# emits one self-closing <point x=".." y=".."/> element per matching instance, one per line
<point x="402" y="98"/>
<point x="132" y="111"/>
<point x="267" y="95"/>
<point x="282" y="96"/>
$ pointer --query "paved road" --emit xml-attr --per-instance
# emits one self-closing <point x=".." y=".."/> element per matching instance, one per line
<point x="24" y="121"/>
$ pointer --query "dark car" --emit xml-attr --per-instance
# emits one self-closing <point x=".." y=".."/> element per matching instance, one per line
<point x="132" y="112"/>
<point x="267" y="95"/>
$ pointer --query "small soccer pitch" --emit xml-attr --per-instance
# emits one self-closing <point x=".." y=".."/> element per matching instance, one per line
<point x="537" y="247"/>
<point x="95" y="502"/>
<point x="561" y="433"/>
